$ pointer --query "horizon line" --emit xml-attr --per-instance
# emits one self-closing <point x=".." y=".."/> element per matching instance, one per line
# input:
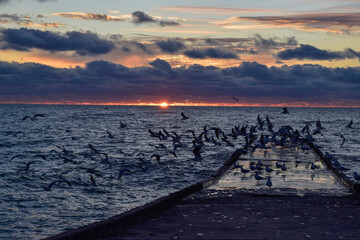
<point x="182" y="104"/>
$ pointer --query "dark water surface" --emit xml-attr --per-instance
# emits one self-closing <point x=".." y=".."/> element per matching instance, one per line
<point x="29" y="212"/>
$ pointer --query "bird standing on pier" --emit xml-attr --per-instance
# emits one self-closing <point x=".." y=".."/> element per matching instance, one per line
<point x="268" y="182"/>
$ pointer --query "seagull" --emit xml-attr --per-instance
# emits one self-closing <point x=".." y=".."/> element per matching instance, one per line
<point x="268" y="182"/>
<point x="48" y="188"/>
<point x="34" y="117"/>
<point x="235" y="99"/>
<point x="350" y="124"/>
<point x="268" y="169"/>
<point x="342" y="136"/>
<point x="122" y="171"/>
<point x="257" y="176"/>
<point x="28" y="166"/>
<point x="109" y="134"/>
<point x="122" y="125"/>
<point x="196" y="152"/>
<point x="17" y="156"/>
<point x="93" y="180"/>
<point x="356" y="176"/>
<point x="157" y="157"/>
<point x="285" y="111"/>
<point x="251" y="166"/>
<point x="312" y="166"/>
<point x="92" y="148"/>
<point x="183" y="116"/>
<point x="244" y="170"/>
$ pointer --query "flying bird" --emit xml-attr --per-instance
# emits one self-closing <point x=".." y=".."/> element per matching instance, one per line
<point x="350" y="124"/>
<point x="343" y="138"/>
<point x="235" y="99"/>
<point x="183" y="116"/>
<point x="48" y="188"/>
<point x="285" y="111"/>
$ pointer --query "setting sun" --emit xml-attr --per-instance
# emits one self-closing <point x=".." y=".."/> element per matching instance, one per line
<point x="164" y="105"/>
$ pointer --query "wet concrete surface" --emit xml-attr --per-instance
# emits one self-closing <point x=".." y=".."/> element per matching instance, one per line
<point x="239" y="215"/>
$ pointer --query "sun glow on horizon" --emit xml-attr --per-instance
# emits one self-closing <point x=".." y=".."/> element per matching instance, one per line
<point x="164" y="105"/>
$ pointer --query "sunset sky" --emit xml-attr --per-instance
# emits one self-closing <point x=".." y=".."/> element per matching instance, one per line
<point x="264" y="52"/>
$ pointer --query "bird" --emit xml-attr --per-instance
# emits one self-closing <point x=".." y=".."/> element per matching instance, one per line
<point x="244" y="170"/>
<point x="48" y="188"/>
<point x="285" y="111"/>
<point x="350" y="124"/>
<point x="34" y="117"/>
<point x="235" y="99"/>
<point x="356" y="176"/>
<point x="268" y="182"/>
<point x="283" y="167"/>
<point x="92" y="148"/>
<point x="93" y="180"/>
<point x="278" y="165"/>
<point x="123" y="125"/>
<point x="28" y="166"/>
<point x="257" y="176"/>
<point x="197" y="154"/>
<point x="17" y="156"/>
<point x="312" y="166"/>
<point x="110" y="135"/>
<point x="122" y="171"/>
<point x="157" y="157"/>
<point x="251" y="166"/>
<point x="183" y="116"/>
<point x="268" y="169"/>
<point x="343" y="138"/>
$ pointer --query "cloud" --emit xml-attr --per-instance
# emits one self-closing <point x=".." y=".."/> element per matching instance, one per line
<point x="211" y="53"/>
<point x="140" y="17"/>
<point x="23" y="39"/>
<point x="312" y="53"/>
<point x="89" y="16"/>
<point x="170" y="45"/>
<point x="273" y="43"/>
<point x="161" y="64"/>
<point x="27" y="21"/>
<point x="332" y="22"/>
<point x="102" y="81"/>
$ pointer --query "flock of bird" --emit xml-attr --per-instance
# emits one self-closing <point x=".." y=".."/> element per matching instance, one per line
<point x="252" y="137"/>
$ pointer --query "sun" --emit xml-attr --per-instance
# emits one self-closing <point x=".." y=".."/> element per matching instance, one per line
<point x="164" y="105"/>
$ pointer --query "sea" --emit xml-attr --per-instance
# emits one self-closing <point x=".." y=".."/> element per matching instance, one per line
<point x="74" y="165"/>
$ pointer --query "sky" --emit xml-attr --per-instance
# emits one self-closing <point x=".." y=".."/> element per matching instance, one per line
<point x="263" y="53"/>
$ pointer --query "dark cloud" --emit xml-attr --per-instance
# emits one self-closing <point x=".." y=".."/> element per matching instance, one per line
<point x="141" y="46"/>
<point x="140" y="17"/>
<point x="271" y="43"/>
<point x="312" y="53"/>
<point x="4" y="1"/>
<point x="90" y="16"/>
<point x="211" y="53"/>
<point x="165" y="23"/>
<point x="82" y="43"/>
<point x="27" y="21"/>
<point x="170" y="45"/>
<point x="105" y="81"/>
<point x="161" y="64"/>
<point x="333" y="22"/>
